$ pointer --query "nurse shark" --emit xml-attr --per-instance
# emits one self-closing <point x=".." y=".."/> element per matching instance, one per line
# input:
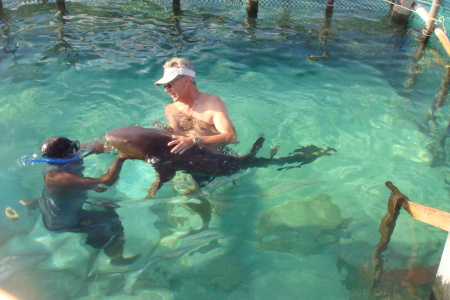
<point x="150" y="145"/>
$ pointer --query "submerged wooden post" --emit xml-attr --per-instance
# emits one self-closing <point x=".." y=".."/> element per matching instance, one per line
<point x="386" y="229"/>
<point x="428" y="215"/>
<point x="252" y="9"/>
<point x="61" y="6"/>
<point x="437" y="150"/>
<point x="252" y="12"/>
<point x="1" y="10"/>
<point x="325" y="34"/>
<point x="176" y="7"/>
<point x="329" y="11"/>
<point x="400" y="13"/>
<point x="440" y="33"/>
<point x="442" y="93"/>
<point x="429" y="26"/>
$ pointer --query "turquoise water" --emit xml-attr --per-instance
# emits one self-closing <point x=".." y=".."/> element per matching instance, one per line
<point x="305" y="233"/>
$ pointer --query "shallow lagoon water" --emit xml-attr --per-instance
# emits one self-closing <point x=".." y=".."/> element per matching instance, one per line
<point x="305" y="233"/>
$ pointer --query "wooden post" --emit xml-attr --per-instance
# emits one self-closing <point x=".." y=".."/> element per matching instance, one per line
<point x="400" y="14"/>
<point x="386" y="229"/>
<point x="437" y="150"/>
<point x="252" y="9"/>
<point x="442" y="93"/>
<point x="324" y="35"/>
<point x="61" y="6"/>
<point x="252" y="12"/>
<point x="429" y="27"/>
<point x="176" y="7"/>
<point x="440" y="33"/>
<point x="1" y="10"/>
<point x="329" y="11"/>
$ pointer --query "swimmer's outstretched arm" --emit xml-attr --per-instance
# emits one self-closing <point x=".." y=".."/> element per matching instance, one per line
<point x="61" y="183"/>
<point x="96" y="147"/>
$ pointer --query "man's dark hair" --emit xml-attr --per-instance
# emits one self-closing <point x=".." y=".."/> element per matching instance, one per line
<point x="57" y="147"/>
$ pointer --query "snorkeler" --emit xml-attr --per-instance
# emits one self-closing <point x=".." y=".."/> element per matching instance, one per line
<point x="65" y="192"/>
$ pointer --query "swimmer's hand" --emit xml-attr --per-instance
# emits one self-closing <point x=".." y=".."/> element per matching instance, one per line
<point x="101" y="188"/>
<point x="182" y="143"/>
<point x="124" y="156"/>
<point x="96" y="146"/>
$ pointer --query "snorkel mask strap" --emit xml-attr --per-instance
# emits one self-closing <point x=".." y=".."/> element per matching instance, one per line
<point x="52" y="160"/>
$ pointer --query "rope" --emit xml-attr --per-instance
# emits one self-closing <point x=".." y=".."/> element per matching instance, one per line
<point x="441" y="19"/>
<point x="426" y="32"/>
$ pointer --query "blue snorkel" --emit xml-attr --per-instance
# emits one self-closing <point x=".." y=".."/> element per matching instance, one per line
<point x="26" y="160"/>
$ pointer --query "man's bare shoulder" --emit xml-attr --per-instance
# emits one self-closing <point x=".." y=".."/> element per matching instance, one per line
<point x="210" y="97"/>
<point x="170" y="108"/>
<point x="213" y="102"/>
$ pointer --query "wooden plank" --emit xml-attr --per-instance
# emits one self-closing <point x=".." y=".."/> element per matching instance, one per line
<point x="423" y="213"/>
<point x="429" y="215"/>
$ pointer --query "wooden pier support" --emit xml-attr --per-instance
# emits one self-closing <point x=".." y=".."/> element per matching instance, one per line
<point x="426" y="214"/>
<point x="386" y="229"/>
<point x="61" y="6"/>
<point x="438" y="151"/>
<point x="429" y="27"/>
<point x="400" y="14"/>
<point x="252" y="9"/>
<point x="440" y="33"/>
<point x="442" y="93"/>
<point x="176" y="7"/>
<point x="252" y="12"/>
<point x="329" y="11"/>
<point x="324" y="35"/>
<point x="1" y="10"/>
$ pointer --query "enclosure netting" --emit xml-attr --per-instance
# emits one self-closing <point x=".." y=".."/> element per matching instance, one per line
<point x="267" y="4"/>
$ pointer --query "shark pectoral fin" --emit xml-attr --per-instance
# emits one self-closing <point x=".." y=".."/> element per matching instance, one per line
<point x="163" y="175"/>
<point x="152" y="191"/>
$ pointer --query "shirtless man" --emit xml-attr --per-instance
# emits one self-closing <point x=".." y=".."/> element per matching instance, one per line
<point x="196" y="118"/>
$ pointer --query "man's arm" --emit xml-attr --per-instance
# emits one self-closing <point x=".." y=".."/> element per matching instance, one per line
<point x="96" y="146"/>
<point x="61" y="183"/>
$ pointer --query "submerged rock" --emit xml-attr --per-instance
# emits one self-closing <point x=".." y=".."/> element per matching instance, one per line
<point x="299" y="226"/>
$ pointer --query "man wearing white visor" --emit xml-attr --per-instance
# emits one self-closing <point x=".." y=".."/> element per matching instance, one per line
<point x="196" y="118"/>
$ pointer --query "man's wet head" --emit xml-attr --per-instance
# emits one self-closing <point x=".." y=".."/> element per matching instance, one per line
<point x="59" y="147"/>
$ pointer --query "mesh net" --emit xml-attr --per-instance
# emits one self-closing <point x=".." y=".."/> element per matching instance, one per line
<point x="267" y="4"/>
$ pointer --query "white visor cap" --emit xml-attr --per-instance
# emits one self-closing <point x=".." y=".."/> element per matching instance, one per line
<point x="172" y="73"/>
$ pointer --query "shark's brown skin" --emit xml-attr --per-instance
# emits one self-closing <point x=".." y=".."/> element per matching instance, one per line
<point x="150" y="145"/>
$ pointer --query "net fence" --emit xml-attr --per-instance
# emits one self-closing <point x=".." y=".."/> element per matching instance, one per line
<point x="268" y="4"/>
